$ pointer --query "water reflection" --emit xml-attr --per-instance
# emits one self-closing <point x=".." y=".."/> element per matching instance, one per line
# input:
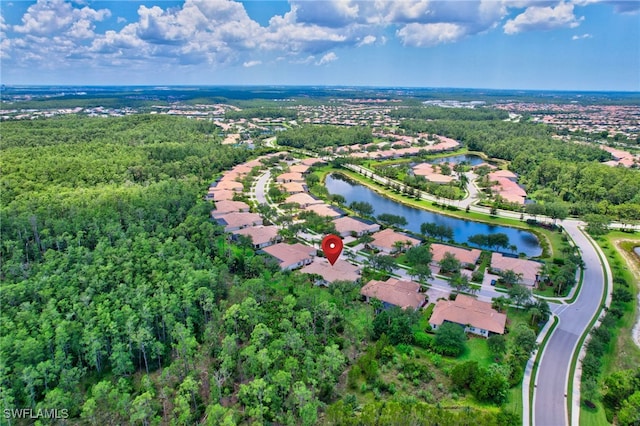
<point x="525" y="241"/>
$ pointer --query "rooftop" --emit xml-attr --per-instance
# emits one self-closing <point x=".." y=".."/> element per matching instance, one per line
<point x="395" y="292"/>
<point x="466" y="310"/>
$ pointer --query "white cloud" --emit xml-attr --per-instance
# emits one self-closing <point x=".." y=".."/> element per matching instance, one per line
<point x="221" y="33"/>
<point x="329" y="57"/>
<point x="581" y="37"/>
<point x="367" y="40"/>
<point x="48" y="18"/>
<point x="543" y="18"/>
<point x="425" y="35"/>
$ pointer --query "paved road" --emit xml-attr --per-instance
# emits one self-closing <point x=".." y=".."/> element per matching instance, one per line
<point x="550" y="396"/>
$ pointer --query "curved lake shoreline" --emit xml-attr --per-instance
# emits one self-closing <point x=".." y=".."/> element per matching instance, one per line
<point x="525" y="241"/>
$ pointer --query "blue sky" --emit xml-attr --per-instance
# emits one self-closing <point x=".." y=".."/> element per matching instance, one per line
<point x="506" y="44"/>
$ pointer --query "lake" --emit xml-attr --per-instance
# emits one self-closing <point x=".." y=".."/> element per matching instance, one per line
<point x="525" y="241"/>
<point x="472" y="160"/>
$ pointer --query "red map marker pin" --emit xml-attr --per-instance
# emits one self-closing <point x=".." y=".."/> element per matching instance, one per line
<point x="332" y="247"/>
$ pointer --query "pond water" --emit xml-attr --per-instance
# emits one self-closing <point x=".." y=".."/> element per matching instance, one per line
<point x="472" y="160"/>
<point x="525" y="241"/>
<point x="637" y="250"/>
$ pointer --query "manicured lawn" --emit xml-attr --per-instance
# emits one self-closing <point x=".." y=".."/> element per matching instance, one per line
<point x="514" y="403"/>
<point x="595" y="417"/>
<point x="477" y="350"/>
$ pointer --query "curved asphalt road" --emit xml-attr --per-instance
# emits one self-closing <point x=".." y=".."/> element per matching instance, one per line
<point x="550" y="396"/>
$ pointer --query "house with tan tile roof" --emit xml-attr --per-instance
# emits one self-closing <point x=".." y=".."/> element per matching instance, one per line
<point x="505" y="184"/>
<point x="290" y="177"/>
<point x="339" y="271"/>
<point x="230" y="185"/>
<point x="528" y="268"/>
<point x="228" y="206"/>
<point x="311" y="161"/>
<point x="346" y="226"/>
<point x="475" y="316"/>
<point x="299" y="168"/>
<point x="324" y="210"/>
<point x="219" y="194"/>
<point x="293" y="187"/>
<point x="467" y="257"/>
<point x="303" y="200"/>
<point x="432" y="173"/>
<point x="291" y="256"/>
<point x="235" y="221"/>
<point x="261" y="236"/>
<point x="384" y="240"/>
<point x="394" y="292"/>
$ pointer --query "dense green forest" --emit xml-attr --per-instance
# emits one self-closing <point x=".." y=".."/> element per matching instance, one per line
<point x="439" y="113"/>
<point x="123" y="303"/>
<point x="552" y="170"/>
<point x="290" y="114"/>
<point x="318" y="137"/>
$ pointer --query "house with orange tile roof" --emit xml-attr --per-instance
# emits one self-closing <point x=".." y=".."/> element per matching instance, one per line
<point x="339" y="271"/>
<point x="475" y="316"/>
<point x="394" y="292"/>
<point x="385" y="240"/>
<point x="528" y="268"/>
<point x="291" y="256"/>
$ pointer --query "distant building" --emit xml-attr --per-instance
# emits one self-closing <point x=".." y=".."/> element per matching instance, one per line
<point x="394" y="292"/>
<point x="475" y="316"/>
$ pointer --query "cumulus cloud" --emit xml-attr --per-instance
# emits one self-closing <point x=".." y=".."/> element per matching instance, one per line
<point x="581" y="37"/>
<point x="619" y="6"/>
<point x="50" y="17"/>
<point x="424" y="35"/>
<point x="543" y="18"/>
<point x="329" y="57"/>
<point x="367" y="40"/>
<point x="221" y="33"/>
